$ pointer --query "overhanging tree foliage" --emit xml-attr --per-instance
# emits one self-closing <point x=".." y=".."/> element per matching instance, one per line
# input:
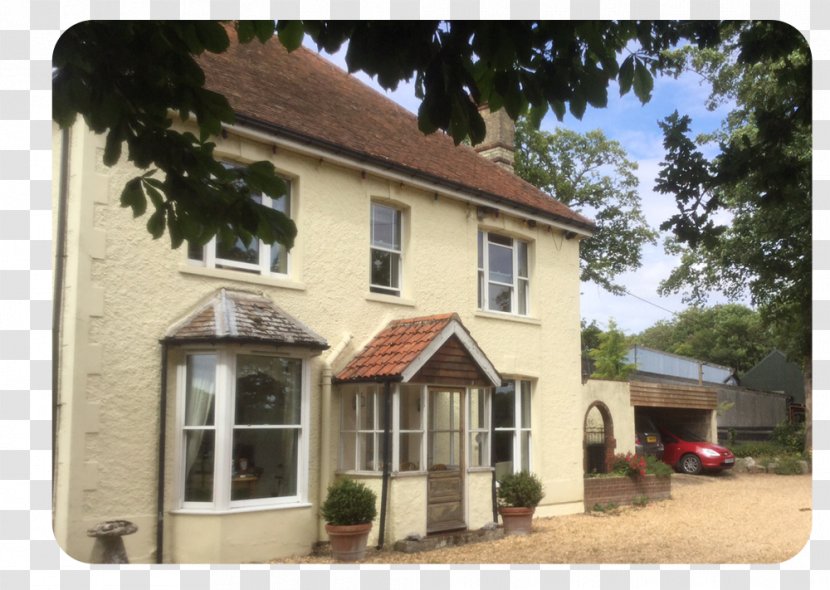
<point x="125" y="78"/>
<point x="761" y="178"/>
<point x="593" y="175"/>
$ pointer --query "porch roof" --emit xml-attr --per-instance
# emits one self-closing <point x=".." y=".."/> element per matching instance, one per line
<point x="405" y="346"/>
<point x="243" y="317"/>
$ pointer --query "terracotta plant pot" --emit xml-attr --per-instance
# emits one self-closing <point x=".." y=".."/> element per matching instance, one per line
<point x="517" y="520"/>
<point x="348" y="542"/>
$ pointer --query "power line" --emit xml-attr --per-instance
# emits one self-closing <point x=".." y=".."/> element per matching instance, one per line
<point x="627" y="292"/>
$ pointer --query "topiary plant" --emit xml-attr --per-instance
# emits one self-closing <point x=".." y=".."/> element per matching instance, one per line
<point x="521" y="489"/>
<point x="349" y="502"/>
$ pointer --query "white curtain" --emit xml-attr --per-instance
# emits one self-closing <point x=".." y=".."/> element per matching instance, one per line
<point x="201" y="389"/>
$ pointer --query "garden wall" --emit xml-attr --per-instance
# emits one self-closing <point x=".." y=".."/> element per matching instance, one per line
<point x="624" y="489"/>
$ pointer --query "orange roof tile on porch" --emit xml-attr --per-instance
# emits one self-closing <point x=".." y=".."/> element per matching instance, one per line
<point x="401" y="348"/>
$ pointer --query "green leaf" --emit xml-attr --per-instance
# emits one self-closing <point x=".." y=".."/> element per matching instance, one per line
<point x="290" y="33"/>
<point x="264" y="29"/>
<point x="155" y="225"/>
<point x="626" y="76"/>
<point x="213" y="36"/>
<point x="245" y="31"/>
<point x="132" y="196"/>
<point x="643" y="82"/>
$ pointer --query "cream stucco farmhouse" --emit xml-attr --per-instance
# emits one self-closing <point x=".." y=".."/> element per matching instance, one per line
<point x="210" y="395"/>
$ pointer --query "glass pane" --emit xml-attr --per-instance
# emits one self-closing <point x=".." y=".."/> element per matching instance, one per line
<point x="502" y="451"/>
<point x="367" y="409"/>
<point x="198" y="484"/>
<point x="481" y="287"/>
<point x="386" y="269"/>
<point x="201" y="387"/>
<point x="410" y="417"/>
<point x="501" y="264"/>
<point x="410" y="451"/>
<point x="525" y="442"/>
<point x="444" y="449"/>
<point x="366" y="452"/>
<point x="522" y="298"/>
<point x="279" y="259"/>
<point x="481" y="250"/>
<point x="348" y="440"/>
<point x="445" y="410"/>
<point x="264" y="463"/>
<point x="478" y="419"/>
<point x="478" y="449"/>
<point x="386" y="227"/>
<point x="499" y="298"/>
<point x="522" y="256"/>
<point x="268" y="390"/>
<point x="238" y="251"/>
<point x="195" y="252"/>
<point x="497" y="239"/>
<point x="504" y="406"/>
<point x="525" y="404"/>
<point x="348" y="408"/>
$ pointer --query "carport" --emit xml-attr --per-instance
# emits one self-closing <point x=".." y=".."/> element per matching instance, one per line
<point x="677" y="406"/>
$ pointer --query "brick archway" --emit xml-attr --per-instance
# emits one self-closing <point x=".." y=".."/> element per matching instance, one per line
<point x="598" y="446"/>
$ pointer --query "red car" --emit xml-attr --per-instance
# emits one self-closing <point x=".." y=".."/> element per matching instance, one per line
<point x="689" y="453"/>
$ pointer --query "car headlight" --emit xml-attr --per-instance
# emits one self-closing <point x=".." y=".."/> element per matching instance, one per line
<point x="709" y="453"/>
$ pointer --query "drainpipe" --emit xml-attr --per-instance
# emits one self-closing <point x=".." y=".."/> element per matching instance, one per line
<point x="162" y="439"/>
<point x="57" y="297"/>
<point x="325" y="416"/>
<point x="387" y="443"/>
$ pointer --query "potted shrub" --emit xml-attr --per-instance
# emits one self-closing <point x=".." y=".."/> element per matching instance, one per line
<point x="349" y="510"/>
<point x="519" y="494"/>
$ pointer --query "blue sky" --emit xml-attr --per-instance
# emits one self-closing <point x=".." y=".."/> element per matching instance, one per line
<point x="634" y="125"/>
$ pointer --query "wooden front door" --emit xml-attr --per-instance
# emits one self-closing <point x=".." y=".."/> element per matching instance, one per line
<point x="445" y="460"/>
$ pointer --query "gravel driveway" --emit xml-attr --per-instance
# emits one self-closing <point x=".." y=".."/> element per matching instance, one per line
<point x="726" y="518"/>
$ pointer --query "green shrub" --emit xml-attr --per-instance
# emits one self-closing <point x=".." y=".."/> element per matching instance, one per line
<point x="640" y="501"/>
<point x="657" y="467"/>
<point x="756" y="449"/>
<point x="788" y="465"/>
<point x="789" y="436"/>
<point x="610" y="507"/>
<point x="521" y="489"/>
<point x="349" y="502"/>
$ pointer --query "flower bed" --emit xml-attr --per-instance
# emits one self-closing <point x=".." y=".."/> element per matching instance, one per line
<point x="624" y="489"/>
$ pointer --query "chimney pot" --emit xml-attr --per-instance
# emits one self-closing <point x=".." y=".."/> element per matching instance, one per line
<point x="498" y="144"/>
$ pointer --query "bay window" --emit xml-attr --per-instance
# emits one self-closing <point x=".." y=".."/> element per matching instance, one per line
<point x="503" y="277"/>
<point x="243" y="430"/>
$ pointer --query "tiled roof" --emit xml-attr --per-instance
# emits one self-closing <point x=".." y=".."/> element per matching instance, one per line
<point x="303" y="97"/>
<point x="392" y="352"/>
<point x="241" y="316"/>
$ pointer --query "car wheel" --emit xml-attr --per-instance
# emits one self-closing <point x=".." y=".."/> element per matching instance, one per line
<point x="690" y="463"/>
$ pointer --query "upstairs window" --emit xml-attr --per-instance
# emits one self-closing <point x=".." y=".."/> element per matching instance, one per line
<point x="503" y="278"/>
<point x="385" y="260"/>
<point x="257" y="257"/>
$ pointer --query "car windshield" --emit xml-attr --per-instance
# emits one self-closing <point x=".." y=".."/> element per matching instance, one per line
<point x="690" y="436"/>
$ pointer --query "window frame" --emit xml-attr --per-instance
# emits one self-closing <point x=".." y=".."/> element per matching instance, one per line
<point x="375" y="431"/>
<point x="223" y="428"/>
<point x="486" y="394"/>
<point x="399" y="212"/>
<point x="483" y="271"/>
<point x="211" y="259"/>
<point x="518" y="428"/>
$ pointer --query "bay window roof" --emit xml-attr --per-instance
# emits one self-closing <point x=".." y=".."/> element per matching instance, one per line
<point x="242" y="317"/>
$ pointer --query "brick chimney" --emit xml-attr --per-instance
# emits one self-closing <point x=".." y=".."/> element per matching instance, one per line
<point x="498" y="144"/>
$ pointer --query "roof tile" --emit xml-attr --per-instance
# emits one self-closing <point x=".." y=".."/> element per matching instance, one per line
<point x="301" y="95"/>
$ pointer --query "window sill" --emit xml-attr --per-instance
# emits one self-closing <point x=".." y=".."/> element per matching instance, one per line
<point x="389" y="299"/>
<point x="480" y="469"/>
<point x="238" y="510"/>
<point x="495" y="315"/>
<point x="242" y="277"/>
